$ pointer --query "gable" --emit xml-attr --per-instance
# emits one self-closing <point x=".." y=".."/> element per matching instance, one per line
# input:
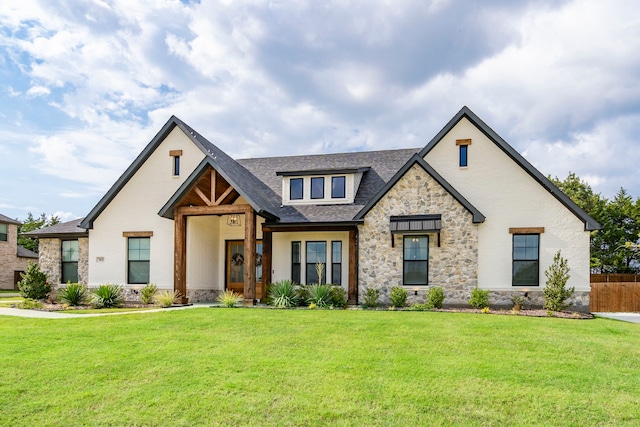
<point x="417" y="161"/>
<point x="493" y="165"/>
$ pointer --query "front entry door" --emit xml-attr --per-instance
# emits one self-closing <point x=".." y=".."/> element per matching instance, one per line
<point x="235" y="266"/>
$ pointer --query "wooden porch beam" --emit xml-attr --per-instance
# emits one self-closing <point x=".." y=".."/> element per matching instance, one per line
<point x="180" y="255"/>
<point x="214" y="210"/>
<point x="225" y="194"/>
<point x="214" y="175"/>
<point x="249" y="257"/>
<point x="204" y="198"/>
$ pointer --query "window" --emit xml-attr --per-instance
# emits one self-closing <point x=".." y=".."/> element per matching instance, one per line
<point x="295" y="262"/>
<point x="176" y="165"/>
<point x="317" y="188"/>
<point x="416" y="260"/>
<point x="175" y="157"/>
<point x="3" y="232"/>
<point x="316" y="253"/>
<point x="296" y="189"/>
<point x="139" y="255"/>
<point x="337" y="187"/>
<point x="69" y="261"/>
<point x="526" y="255"/>
<point x="336" y="262"/>
<point x="463" y="155"/>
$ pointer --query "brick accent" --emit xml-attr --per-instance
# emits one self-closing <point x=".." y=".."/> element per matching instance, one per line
<point x="9" y="259"/>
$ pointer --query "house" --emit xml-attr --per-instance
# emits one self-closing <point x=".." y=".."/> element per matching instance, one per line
<point x="63" y="250"/>
<point x="13" y="257"/>
<point x="464" y="211"/>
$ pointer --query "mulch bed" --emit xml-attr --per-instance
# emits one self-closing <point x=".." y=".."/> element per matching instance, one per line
<point x="529" y="312"/>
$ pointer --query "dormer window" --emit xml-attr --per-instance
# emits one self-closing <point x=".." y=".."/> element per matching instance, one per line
<point x="317" y="188"/>
<point x="296" y="188"/>
<point x="321" y="186"/>
<point x="338" y="187"/>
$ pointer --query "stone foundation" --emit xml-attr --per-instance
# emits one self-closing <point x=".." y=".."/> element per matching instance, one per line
<point x="195" y="295"/>
<point x="458" y="296"/>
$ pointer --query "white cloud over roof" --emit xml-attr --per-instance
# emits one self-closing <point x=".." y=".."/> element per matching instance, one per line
<point x="86" y="85"/>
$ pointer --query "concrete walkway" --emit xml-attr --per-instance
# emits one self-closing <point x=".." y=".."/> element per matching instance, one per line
<point x="37" y="314"/>
<point x="625" y="317"/>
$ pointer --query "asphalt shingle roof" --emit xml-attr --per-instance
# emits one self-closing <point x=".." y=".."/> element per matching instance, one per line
<point x="63" y="228"/>
<point x="6" y="220"/>
<point x="383" y="165"/>
<point x="26" y="253"/>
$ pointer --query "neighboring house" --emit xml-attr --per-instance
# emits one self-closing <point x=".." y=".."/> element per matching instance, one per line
<point x="13" y="257"/>
<point x="63" y="250"/>
<point x="466" y="210"/>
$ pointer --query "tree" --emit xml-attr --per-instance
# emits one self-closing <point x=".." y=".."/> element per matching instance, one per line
<point x="621" y="224"/>
<point x="594" y="205"/>
<point x="31" y="224"/>
<point x="556" y="292"/>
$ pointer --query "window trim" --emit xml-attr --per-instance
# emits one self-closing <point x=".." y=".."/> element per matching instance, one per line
<point x="129" y="261"/>
<point x="404" y="261"/>
<point x="464" y="156"/>
<point x="4" y="237"/>
<point x="333" y="264"/>
<point x="63" y="262"/>
<point x="301" y="180"/>
<point x="316" y="197"/>
<point x="344" y="187"/>
<point x="295" y="263"/>
<point x="307" y="263"/>
<point x="514" y="260"/>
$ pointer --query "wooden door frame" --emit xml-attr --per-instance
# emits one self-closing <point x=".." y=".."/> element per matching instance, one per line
<point x="226" y="259"/>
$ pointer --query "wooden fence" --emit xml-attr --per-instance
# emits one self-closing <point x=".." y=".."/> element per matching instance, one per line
<point x="614" y="296"/>
<point x="616" y="278"/>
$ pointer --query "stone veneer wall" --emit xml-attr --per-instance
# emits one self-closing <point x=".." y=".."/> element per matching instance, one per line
<point x="50" y="253"/>
<point x="453" y="265"/>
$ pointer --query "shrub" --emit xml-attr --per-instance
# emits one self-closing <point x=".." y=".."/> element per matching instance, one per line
<point x="435" y="297"/>
<point x="320" y="295"/>
<point x="370" y="297"/>
<point x="73" y="294"/>
<point x="229" y="298"/>
<point x="556" y="292"/>
<point x="166" y="298"/>
<point x="34" y="283"/>
<point x="338" y="296"/>
<point x="302" y="294"/>
<point x="29" y="303"/>
<point x="479" y="298"/>
<point x="420" y="307"/>
<point x="107" y="296"/>
<point x="148" y="293"/>
<point x="398" y="297"/>
<point x="282" y="294"/>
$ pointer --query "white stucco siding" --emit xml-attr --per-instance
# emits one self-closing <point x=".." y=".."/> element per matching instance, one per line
<point x="509" y="197"/>
<point x="135" y="208"/>
<point x="281" y="253"/>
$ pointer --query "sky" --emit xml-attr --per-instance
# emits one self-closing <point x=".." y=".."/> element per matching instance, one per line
<point x="86" y="84"/>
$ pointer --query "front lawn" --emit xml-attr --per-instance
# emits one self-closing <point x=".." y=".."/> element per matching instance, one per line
<point x="311" y="367"/>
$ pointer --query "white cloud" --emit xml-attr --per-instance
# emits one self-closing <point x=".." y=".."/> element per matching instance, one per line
<point x="38" y="91"/>
<point x="256" y="78"/>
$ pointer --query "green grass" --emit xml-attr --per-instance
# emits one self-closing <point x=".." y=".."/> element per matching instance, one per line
<point x="105" y="310"/>
<point x="313" y="367"/>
